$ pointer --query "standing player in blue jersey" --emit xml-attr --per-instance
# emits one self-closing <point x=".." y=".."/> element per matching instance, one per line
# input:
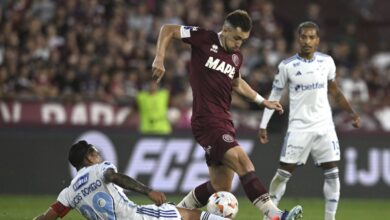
<point x="214" y="75"/>
<point x="309" y="75"/>
<point x="94" y="192"/>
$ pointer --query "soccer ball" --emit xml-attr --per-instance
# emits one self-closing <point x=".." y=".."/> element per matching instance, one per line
<point x="224" y="204"/>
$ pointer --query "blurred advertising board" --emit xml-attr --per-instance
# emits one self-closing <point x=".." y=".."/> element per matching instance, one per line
<point x="34" y="160"/>
<point x="55" y="113"/>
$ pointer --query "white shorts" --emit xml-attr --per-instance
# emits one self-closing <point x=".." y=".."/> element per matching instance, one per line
<point x="153" y="212"/>
<point x="323" y="146"/>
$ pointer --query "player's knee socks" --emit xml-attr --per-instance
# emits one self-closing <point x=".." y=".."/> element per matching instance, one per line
<point x="258" y="195"/>
<point x="331" y="192"/>
<point x="209" y="216"/>
<point x="278" y="185"/>
<point x="198" y="197"/>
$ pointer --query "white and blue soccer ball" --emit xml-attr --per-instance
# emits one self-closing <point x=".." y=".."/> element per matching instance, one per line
<point x="224" y="204"/>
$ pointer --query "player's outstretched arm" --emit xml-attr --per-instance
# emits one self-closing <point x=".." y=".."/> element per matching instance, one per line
<point x="56" y="210"/>
<point x="275" y="105"/>
<point x="129" y="183"/>
<point x="50" y="214"/>
<point x="262" y="135"/>
<point x="343" y="102"/>
<point x="167" y="32"/>
<point x="242" y="88"/>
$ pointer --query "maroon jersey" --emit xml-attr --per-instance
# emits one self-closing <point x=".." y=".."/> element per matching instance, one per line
<point x="212" y="71"/>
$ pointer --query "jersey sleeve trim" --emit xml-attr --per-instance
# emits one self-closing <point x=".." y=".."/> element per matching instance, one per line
<point x="276" y="87"/>
<point x="281" y="78"/>
<point x="321" y="54"/>
<point x="60" y="209"/>
<point x="185" y="31"/>
<point x="332" y="71"/>
<point x="107" y="165"/>
<point x="290" y="59"/>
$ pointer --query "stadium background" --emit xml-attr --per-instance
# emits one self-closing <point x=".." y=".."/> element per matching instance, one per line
<point x="72" y="69"/>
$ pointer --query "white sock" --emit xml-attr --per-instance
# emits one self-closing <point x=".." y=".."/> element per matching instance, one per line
<point x="331" y="192"/>
<point x="190" y="201"/>
<point x="209" y="216"/>
<point x="267" y="207"/>
<point x="278" y="185"/>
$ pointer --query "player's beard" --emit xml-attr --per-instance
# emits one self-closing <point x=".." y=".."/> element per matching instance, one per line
<point x="224" y="44"/>
<point x="229" y="50"/>
<point x="307" y="52"/>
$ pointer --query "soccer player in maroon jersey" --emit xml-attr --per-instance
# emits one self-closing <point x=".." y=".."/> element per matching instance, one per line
<point x="214" y="75"/>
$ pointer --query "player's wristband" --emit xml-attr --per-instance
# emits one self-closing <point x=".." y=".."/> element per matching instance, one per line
<point x="263" y="125"/>
<point x="259" y="99"/>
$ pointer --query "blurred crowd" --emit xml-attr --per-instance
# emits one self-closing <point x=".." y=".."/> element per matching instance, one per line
<point x="76" y="50"/>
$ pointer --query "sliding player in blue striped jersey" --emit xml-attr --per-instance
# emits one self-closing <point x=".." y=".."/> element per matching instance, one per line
<point x="309" y="75"/>
<point x="94" y="193"/>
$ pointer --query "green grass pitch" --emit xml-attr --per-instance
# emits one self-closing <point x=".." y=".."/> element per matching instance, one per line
<point x="26" y="207"/>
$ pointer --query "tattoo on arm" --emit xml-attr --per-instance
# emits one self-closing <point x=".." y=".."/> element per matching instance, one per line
<point x="131" y="184"/>
<point x="126" y="182"/>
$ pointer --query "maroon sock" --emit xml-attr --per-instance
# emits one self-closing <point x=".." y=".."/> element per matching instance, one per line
<point x="203" y="192"/>
<point x="252" y="186"/>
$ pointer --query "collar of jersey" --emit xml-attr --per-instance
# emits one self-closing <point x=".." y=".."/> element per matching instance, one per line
<point x="81" y="170"/>
<point x="305" y="60"/>
<point x="219" y="39"/>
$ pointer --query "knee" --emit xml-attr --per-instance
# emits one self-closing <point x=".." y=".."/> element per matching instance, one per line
<point x="245" y="166"/>
<point x="289" y="167"/>
<point x="239" y="161"/>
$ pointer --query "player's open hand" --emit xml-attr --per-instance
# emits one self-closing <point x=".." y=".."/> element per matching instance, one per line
<point x="355" y="120"/>
<point x="274" y="105"/>
<point x="263" y="136"/>
<point x="157" y="197"/>
<point x="158" y="69"/>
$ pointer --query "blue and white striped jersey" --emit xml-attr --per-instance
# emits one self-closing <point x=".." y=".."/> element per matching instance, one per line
<point x="89" y="194"/>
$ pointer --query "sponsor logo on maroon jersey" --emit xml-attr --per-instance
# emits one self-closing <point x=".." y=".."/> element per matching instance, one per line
<point x="221" y="66"/>
<point x="227" y="138"/>
<point x="236" y="59"/>
<point x="214" y="48"/>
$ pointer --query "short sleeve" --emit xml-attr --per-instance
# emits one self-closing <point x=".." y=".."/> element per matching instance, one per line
<point x="332" y="69"/>
<point x="62" y="198"/>
<point x="193" y="35"/>
<point x="281" y="77"/>
<point x="60" y="209"/>
<point x="103" y="167"/>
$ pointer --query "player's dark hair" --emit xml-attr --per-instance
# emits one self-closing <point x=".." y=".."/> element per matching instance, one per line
<point x="239" y="18"/>
<point x="308" y="24"/>
<point x="77" y="153"/>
